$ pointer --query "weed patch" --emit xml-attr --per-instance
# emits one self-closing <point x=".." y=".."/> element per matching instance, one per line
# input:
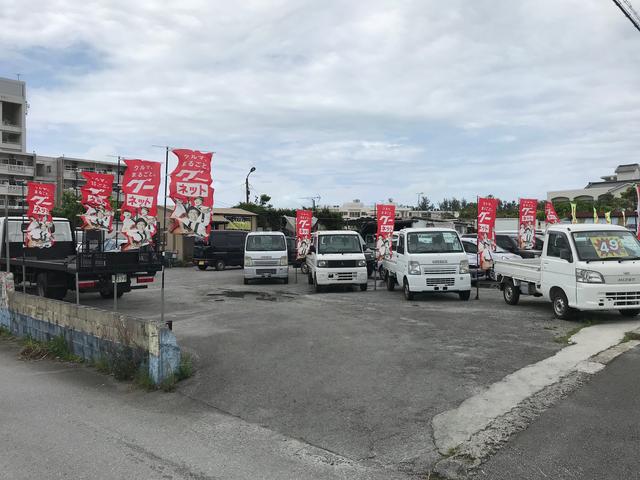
<point x="56" y="348"/>
<point x="630" y="336"/>
<point x="564" y="339"/>
<point x="5" y="333"/>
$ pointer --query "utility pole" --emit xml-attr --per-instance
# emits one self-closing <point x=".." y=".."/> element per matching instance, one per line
<point x="246" y="183"/>
<point x="629" y="12"/>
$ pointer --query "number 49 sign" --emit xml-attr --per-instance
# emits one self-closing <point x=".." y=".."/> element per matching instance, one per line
<point x="608" y="247"/>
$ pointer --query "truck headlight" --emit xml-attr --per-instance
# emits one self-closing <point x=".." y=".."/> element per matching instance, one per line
<point x="248" y="261"/>
<point x="362" y="263"/>
<point x="284" y="261"/>
<point x="588" y="276"/>
<point x="464" y="266"/>
<point x="414" y="268"/>
<point x="322" y="263"/>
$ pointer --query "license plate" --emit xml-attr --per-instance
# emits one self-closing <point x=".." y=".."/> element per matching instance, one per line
<point x="119" y="278"/>
<point x="200" y="263"/>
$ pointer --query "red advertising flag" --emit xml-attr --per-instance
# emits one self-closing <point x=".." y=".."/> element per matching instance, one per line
<point x="386" y="219"/>
<point x="638" y="212"/>
<point x="550" y="213"/>
<point x="96" y="196"/>
<point x="304" y="221"/>
<point x="41" y="200"/>
<point x="191" y="190"/>
<point x="486" y="231"/>
<point x="140" y="186"/>
<point x="527" y="223"/>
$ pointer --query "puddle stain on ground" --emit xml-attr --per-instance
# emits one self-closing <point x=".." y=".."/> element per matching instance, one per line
<point x="264" y="296"/>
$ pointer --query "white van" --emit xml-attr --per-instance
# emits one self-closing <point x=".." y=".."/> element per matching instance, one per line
<point x="428" y="260"/>
<point x="336" y="257"/>
<point x="265" y="256"/>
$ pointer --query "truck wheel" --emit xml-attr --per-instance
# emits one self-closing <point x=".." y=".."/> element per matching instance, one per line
<point x="363" y="287"/>
<point x="41" y="284"/>
<point x="464" y="296"/>
<point x="304" y="268"/>
<point x="310" y="278"/>
<point x="246" y="281"/>
<point x="220" y="265"/>
<point x="561" y="308"/>
<point x="390" y="281"/>
<point x="202" y="267"/>
<point x="285" y="281"/>
<point x="408" y="294"/>
<point x="511" y="293"/>
<point x="630" y="313"/>
<point x="318" y="288"/>
<point x="47" y="291"/>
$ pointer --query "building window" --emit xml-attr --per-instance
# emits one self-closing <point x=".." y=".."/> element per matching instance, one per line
<point x="48" y="168"/>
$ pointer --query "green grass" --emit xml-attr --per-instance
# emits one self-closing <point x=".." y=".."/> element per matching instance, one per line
<point x="564" y="339"/>
<point x="630" y="336"/>
<point x="56" y="348"/>
<point x="5" y="333"/>
<point x="185" y="369"/>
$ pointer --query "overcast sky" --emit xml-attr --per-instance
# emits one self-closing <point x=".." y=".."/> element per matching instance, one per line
<point x="342" y="99"/>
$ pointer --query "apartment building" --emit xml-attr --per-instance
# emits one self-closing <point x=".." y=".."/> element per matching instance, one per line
<point x="13" y="111"/>
<point x="357" y="209"/>
<point x="624" y="176"/>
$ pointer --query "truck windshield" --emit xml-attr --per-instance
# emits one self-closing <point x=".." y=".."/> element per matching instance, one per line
<point x="265" y="243"/>
<point x="61" y="232"/>
<point x="433" y="242"/>
<point x="606" y="244"/>
<point x="339" y="244"/>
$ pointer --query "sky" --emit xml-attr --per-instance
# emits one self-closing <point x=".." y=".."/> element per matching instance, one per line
<point x="341" y="99"/>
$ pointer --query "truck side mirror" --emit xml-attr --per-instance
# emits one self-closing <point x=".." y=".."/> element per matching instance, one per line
<point x="566" y="255"/>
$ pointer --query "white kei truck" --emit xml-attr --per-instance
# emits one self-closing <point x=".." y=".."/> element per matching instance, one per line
<point x="335" y="257"/>
<point x="428" y="260"/>
<point x="265" y="256"/>
<point x="586" y="267"/>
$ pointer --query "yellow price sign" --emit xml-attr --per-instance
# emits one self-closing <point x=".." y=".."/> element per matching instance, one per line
<point x="608" y="247"/>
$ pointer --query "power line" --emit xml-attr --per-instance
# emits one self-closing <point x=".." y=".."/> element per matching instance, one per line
<point x="629" y="12"/>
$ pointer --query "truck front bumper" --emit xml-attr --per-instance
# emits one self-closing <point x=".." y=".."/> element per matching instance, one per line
<point x="336" y="276"/>
<point x="266" y="272"/>
<point x="602" y="296"/>
<point x="439" y="283"/>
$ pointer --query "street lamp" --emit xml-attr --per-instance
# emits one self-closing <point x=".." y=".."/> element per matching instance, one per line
<point x="253" y="169"/>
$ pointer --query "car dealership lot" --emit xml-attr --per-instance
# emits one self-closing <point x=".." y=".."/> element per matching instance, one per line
<point x="357" y="373"/>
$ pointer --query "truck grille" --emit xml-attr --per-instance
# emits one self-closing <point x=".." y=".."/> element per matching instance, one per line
<point x="265" y="263"/>
<point x="342" y="263"/>
<point x="621" y="299"/>
<point x="432" y="282"/>
<point x="345" y="276"/>
<point x="265" y="271"/>
<point x="439" y="270"/>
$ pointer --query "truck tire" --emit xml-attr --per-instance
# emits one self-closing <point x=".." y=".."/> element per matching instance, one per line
<point x="304" y="268"/>
<point x="465" y="295"/>
<point x="202" y="267"/>
<point x="220" y="265"/>
<point x="109" y="293"/>
<point x="363" y="287"/>
<point x="630" y="313"/>
<point x="285" y="281"/>
<point x="318" y="288"/>
<point x="510" y="292"/>
<point x="310" y="278"/>
<point x="246" y="281"/>
<point x="390" y="281"/>
<point x="45" y="289"/>
<point x="408" y="294"/>
<point x="561" y="308"/>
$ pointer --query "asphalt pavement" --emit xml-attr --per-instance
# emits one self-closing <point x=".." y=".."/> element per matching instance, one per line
<point x="592" y="434"/>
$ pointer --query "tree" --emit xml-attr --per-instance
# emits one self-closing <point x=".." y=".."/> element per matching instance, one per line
<point x="330" y="220"/>
<point x="424" y="204"/>
<point x="264" y="200"/>
<point x="70" y="208"/>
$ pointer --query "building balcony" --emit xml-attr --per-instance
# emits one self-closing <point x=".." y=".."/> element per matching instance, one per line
<point x="6" y="189"/>
<point x="9" y="169"/>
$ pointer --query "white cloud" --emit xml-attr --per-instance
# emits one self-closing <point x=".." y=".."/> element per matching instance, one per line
<point x="370" y="99"/>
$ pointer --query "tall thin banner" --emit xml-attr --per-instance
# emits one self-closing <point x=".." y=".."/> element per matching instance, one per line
<point x="638" y="211"/>
<point x="386" y="219"/>
<point x="595" y="216"/>
<point x="574" y="207"/>
<point x="527" y="223"/>
<point x="96" y="200"/>
<point x="486" y="231"/>
<point x="304" y="220"/>
<point x="550" y="214"/>
<point x="140" y="186"/>
<point x="41" y="200"/>
<point x="191" y="190"/>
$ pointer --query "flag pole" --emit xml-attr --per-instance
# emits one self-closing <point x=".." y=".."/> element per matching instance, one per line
<point x="164" y="237"/>
<point x="478" y="266"/>
<point x="375" y="251"/>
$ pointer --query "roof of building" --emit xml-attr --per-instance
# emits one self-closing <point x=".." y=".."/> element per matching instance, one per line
<point x="627" y="167"/>
<point x="219" y="219"/>
<point x="234" y="211"/>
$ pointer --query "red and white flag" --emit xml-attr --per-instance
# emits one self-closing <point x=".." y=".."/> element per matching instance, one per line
<point x="191" y="190"/>
<point x="41" y="200"/>
<point x="386" y="220"/>
<point x="638" y="211"/>
<point x="96" y="200"/>
<point x="304" y="220"/>
<point x="140" y="186"/>
<point x="486" y="231"/>
<point x="550" y="213"/>
<point x="527" y="223"/>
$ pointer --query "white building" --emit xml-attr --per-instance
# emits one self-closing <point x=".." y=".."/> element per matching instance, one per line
<point x="356" y="209"/>
<point x="625" y="176"/>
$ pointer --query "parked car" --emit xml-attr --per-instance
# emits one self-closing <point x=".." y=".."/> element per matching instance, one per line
<point x="509" y="241"/>
<point x="223" y="248"/>
<point x="265" y="256"/>
<point x="471" y="247"/>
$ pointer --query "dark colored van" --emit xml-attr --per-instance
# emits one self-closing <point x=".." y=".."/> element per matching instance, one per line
<point x="224" y="248"/>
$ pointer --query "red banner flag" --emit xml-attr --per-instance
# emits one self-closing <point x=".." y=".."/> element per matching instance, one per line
<point x="192" y="192"/>
<point x="41" y="200"/>
<point x="140" y="186"/>
<point x="527" y="223"/>
<point x="96" y="196"/>
<point x="550" y="213"/>
<point x="386" y="219"/>
<point x="486" y="230"/>
<point x="304" y="220"/>
<point x="638" y="212"/>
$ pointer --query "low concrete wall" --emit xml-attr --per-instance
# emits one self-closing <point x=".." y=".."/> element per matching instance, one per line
<point x="90" y="332"/>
